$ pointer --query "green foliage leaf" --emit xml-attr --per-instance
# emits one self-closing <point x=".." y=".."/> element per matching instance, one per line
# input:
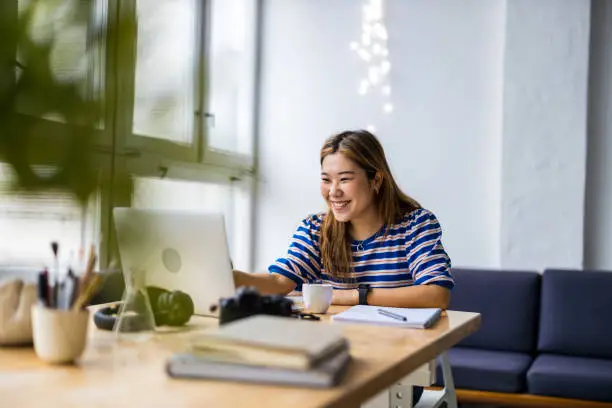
<point x="28" y="82"/>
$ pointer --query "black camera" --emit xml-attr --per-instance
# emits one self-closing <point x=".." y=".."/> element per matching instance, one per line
<point x="248" y="302"/>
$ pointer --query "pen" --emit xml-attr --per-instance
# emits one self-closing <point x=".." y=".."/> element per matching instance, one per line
<point x="392" y="315"/>
<point x="43" y="288"/>
<point x="47" y="280"/>
<point x="56" y="278"/>
<point x="67" y="291"/>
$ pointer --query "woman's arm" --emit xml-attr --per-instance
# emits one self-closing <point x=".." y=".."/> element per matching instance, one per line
<point x="300" y="264"/>
<point x="265" y="283"/>
<point x="408" y="296"/>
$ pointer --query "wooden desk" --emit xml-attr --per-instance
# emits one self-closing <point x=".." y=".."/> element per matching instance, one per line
<point x="112" y="374"/>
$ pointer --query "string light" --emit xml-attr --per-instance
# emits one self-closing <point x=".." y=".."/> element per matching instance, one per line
<point x="372" y="50"/>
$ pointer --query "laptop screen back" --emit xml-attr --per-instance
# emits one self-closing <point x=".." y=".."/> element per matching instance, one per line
<point x="175" y="250"/>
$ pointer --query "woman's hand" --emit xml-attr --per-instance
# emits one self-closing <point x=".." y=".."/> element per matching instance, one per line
<point x="265" y="283"/>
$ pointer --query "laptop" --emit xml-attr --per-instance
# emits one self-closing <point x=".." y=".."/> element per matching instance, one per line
<point x="177" y="250"/>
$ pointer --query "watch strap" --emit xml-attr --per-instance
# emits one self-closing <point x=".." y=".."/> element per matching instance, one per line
<point x="363" y="294"/>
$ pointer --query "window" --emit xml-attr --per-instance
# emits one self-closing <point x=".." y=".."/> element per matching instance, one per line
<point x="192" y="120"/>
<point x="179" y="116"/>
<point x="194" y="80"/>
<point x="29" y="222"/>
<point x="231" y="75"/>
<point x="166" y="69"/>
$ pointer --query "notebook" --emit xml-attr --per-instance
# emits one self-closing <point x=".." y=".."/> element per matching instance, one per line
<point x="326" y="374"/>
<point x="272" y="341"/>
<point x="421" y="318"/>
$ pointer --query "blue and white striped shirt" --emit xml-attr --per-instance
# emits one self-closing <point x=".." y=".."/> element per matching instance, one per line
<point x="410" y="253"/>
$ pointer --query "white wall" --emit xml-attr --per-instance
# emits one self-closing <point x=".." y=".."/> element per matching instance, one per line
<point x="442" y="140"/>
<point x="489" y="128"/>
<point x="598" y="228"/>
<point x="544" y="133"/>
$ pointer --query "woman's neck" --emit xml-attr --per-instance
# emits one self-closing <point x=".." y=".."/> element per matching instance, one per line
<point x="365" y="227"/>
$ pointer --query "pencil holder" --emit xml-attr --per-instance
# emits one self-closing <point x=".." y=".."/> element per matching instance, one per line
<point x="60" y="336"/>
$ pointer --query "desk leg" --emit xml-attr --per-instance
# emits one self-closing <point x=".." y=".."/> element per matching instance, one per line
<point x="397" y="396"/>
<point x="393" y="397"/>
<point x="435" y="399"/>
<point x="449" y="383"/>
<point x="400" y="394"/>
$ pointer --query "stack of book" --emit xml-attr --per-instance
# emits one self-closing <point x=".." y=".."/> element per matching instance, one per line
<point x="267" y="349"/>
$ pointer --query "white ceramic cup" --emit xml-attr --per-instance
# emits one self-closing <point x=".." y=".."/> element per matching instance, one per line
<point x="317" y="297"/>
<point x="60" y="335"/>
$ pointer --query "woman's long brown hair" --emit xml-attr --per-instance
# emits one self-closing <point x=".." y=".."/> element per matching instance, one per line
<point x="365" y="150"/>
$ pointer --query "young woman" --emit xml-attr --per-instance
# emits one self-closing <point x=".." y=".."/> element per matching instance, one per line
<point x="375" y="245"/>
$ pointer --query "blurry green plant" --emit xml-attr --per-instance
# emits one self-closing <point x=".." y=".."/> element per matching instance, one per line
<point x="67" y="147"/>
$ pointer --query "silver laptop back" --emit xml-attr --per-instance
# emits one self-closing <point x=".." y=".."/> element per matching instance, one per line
<point x="177" y="250"/>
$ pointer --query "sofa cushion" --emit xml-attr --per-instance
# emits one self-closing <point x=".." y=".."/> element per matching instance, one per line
<point x="508" y="302"/>
<point x="575" y="314"/>
<point x="487" y="370"/>
<point x="571" y="377"/>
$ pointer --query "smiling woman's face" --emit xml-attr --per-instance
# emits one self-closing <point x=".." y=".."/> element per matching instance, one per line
<point x="346" y="188"/>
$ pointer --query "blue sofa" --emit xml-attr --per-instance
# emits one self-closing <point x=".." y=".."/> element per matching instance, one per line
<point x="544" y="339"/>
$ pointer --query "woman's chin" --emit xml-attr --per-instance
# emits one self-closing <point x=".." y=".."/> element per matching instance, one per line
<point x="342" y="216"/>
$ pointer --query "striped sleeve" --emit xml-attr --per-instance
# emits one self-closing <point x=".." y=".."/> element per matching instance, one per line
<point x="428" y="261"/>
<point x="302" y="264"/>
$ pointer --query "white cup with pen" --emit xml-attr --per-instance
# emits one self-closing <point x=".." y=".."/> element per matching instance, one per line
<point x="60" y="319"/>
